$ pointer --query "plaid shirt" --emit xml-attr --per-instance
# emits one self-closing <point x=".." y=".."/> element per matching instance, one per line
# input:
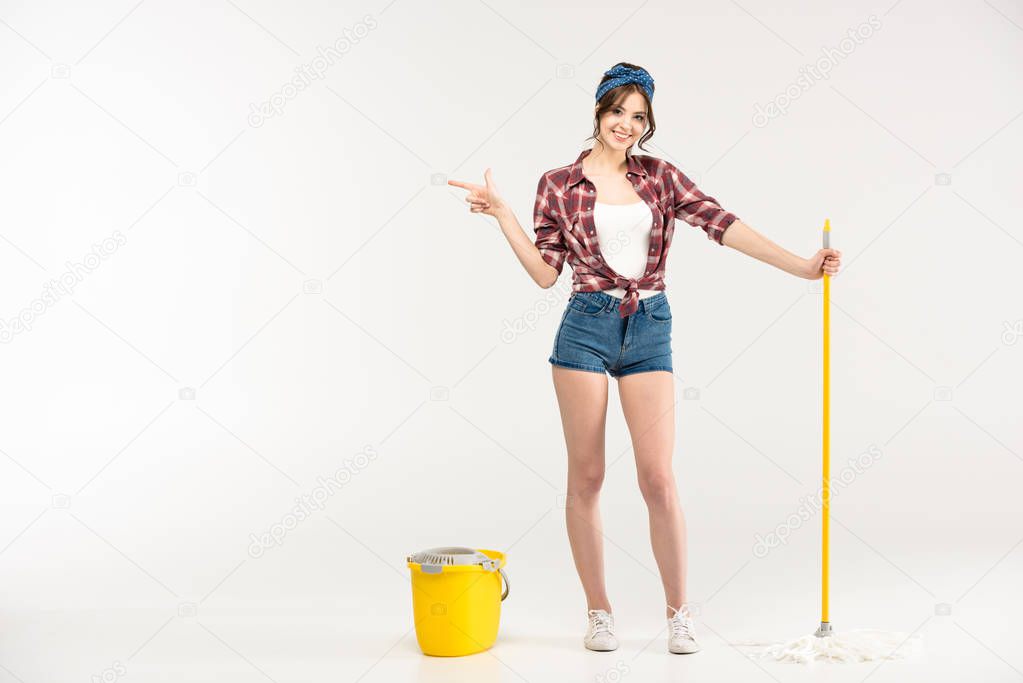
<point x="563" y="223"/>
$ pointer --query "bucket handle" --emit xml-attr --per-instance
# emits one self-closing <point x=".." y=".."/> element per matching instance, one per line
<point x="507" y="585"/>
<point x="490" y="565"/>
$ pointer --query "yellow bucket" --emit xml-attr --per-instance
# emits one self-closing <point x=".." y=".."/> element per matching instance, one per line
<point x="456" y="599"/>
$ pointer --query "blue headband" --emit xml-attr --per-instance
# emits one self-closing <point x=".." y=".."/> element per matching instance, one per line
<point x="620" y="75"/>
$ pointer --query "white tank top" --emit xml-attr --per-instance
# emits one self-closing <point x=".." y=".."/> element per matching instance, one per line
<point x="623" y="233"/>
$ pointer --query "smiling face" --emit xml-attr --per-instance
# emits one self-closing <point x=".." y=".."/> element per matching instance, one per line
<point x="623" y="124"/>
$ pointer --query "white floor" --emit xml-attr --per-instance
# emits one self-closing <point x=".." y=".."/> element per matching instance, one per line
<point x="540" y="638"/>
<point x="325" y="606"/>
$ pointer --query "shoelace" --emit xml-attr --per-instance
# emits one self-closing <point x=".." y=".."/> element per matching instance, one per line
<point x="681" y="625"/>
<point x="600" y="621"/>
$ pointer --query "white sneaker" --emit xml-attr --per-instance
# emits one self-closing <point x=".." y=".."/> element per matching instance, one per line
<point x="681" y="636"/>
<point x="600" y="632"/>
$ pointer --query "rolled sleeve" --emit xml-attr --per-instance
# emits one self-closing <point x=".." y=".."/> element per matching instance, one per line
<point x="699" y="209"/>
<point x="549" y="240"/>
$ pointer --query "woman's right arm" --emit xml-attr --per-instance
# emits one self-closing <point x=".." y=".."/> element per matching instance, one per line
<point x="542" y="259"/>
<point x="535" y="257"/>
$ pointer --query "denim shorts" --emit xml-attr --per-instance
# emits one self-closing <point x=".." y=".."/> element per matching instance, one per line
<point x="593" y="337"/>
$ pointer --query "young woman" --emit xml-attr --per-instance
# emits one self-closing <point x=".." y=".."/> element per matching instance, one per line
<point x="611" y="215"/>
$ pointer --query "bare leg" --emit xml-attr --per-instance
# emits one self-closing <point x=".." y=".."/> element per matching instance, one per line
<point x="648" y="402"/>
<point x="582" y="400"/>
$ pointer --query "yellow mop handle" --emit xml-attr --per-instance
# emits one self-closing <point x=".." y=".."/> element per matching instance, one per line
<point x="826" y="489"/>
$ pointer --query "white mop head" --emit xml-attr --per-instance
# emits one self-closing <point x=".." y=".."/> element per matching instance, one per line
<point x="859" y="645"/>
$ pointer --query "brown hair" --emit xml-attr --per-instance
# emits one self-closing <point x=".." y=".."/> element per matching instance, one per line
<point x="613" y="97"/>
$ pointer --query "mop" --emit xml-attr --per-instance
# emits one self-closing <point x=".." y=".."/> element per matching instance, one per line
<point x="858" y="645"/>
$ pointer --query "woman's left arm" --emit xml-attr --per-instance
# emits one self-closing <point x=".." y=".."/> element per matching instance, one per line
<point x="725" y="228"/>
<point x="743" y="238"/>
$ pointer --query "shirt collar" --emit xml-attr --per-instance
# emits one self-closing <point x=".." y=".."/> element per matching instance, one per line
<point x="575" y="174"/>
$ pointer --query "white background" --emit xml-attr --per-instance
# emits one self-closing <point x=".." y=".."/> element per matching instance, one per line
<point x="293" y="294"/>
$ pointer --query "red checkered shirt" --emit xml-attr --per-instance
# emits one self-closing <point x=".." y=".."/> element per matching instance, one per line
<point x="563" y="223"/>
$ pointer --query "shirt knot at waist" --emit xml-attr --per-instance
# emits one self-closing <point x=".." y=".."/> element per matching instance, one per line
<point x="630" y="302"/>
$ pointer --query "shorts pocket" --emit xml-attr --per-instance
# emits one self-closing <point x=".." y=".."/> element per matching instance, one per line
<point x="587" y="305"/>
<point x="659" y="314"/>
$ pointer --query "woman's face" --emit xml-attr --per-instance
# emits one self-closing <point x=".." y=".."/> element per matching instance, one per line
<point x="624" y="123"/>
